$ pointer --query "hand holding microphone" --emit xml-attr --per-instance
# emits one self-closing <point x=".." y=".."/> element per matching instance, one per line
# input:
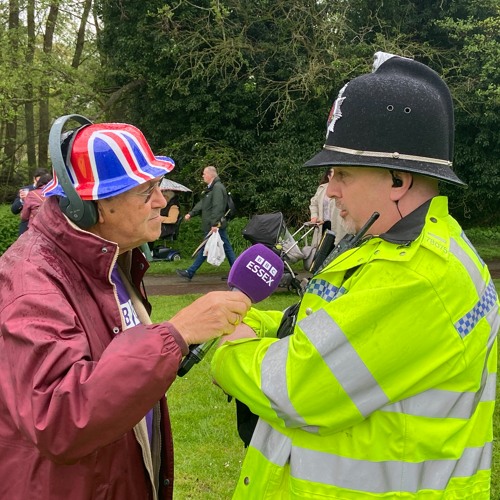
<point x="257" y="273"/>
<point x="212" y="315"/>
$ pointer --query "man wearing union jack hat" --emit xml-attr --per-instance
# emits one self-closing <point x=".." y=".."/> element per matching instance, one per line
<point x="83" y="371"/>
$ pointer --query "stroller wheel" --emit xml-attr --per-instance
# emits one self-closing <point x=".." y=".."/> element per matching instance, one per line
<point x="286" y="280"/>
<point x="295" y="286"/>
<point x="176" y="257"/>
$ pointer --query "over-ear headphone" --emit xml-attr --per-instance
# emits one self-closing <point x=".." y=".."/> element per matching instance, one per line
<point x="82" y="212"/>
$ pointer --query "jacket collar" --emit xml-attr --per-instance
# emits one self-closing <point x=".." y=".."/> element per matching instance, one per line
<point x="95" y="254"/>
<point x="211" y="185"/>
<point x="409" y="227"/>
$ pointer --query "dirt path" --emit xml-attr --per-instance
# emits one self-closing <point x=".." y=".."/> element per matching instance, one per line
<point x="494" y="267"/>
<point x="203" y="283"/>
<point x="174" y="285"/>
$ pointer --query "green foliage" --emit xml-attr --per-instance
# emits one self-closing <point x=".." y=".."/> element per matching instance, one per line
<point x="475" y="78"/>
<point x="230" y="86"/>
<point x="9" y="227"/>
<point x="486" y="241"/>
<point x="38" y="84"/>
<point x="247" y="86"/>
<point x="482" y="235"/>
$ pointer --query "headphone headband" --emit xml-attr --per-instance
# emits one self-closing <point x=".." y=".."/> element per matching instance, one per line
<point x="82" y="213"/>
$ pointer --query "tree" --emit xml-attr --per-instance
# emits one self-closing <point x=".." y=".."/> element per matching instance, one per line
<point x="47" y="64"/>
<point x="458" y="39"/>
<point x="225" y="83"/>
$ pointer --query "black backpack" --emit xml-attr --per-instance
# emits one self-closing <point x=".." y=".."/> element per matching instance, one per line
<point x="230" y="208"/>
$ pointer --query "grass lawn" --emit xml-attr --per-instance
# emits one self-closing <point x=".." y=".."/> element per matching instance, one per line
<point x="208" y="451"/>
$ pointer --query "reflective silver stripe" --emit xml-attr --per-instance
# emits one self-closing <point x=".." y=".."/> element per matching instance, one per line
<point x="363" y="475"/>
<point x="272" y="444"/>
<point x="344" y="362"/>
<point x="380" y="154"/>
<point x="436" y="403"/>
<point x="469" y="265"/>
<point x="387" y="476"/>
<point x="274" y="383"/>
<point x="486" y="293"/>
<point x="493" y="319"/>
<point x="471" y="246"/>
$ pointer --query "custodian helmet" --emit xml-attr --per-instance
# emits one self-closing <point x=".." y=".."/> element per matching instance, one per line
<point x="398" y="117"/>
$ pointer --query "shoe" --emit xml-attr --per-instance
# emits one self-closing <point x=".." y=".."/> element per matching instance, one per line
<point x="183" y="274"/>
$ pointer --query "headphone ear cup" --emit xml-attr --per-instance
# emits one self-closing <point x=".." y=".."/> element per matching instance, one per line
<point x="82" y="212"/>
<point x="84" y="216"/>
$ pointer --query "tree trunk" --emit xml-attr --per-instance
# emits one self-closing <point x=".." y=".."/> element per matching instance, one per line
<point x="29" y="112"/>
<point x="11" y="124"/>
<point x="43" y="135"/>
<point x="80" y="40"/>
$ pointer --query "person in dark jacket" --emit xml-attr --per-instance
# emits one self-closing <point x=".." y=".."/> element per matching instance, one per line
<point x="211" y="207"/>
<point x="17" y="204"/>
<point x="83" y="371"/>
<point x="34" y="199"/>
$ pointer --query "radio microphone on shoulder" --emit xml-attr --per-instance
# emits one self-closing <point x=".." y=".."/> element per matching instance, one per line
<point x="257" y="273"/>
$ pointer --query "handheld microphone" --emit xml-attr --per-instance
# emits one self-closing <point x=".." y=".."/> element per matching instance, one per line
<point x="257" y="273"/>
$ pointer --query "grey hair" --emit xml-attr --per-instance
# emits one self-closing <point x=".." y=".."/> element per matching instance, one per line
<point x="211" y="170"/>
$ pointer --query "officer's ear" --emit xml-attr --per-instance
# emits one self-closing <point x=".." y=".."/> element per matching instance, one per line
<point x="401" y="183"/>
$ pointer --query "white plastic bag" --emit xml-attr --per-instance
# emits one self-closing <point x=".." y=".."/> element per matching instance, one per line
<point x="214" y="250"/>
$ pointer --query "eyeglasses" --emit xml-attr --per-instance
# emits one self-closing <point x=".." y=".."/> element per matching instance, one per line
<point x="149" y="192"/>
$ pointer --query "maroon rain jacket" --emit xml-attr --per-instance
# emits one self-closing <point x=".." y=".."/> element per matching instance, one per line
<point x="73" y="384"/>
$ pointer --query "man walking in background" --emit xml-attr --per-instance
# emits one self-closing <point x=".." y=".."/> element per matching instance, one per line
<point x="211" y="207"/>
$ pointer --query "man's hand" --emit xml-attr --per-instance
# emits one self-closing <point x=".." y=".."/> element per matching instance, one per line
<point x="210" y="316"/>
<point x="187" y="217"/>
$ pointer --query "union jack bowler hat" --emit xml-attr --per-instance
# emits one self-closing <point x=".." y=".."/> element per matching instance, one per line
<point x="108" y="159"/>
<point x="398" y="117"/>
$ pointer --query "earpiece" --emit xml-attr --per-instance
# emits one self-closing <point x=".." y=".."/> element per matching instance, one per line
<point x="82" y="212"/>
<point x="396" y="181"/>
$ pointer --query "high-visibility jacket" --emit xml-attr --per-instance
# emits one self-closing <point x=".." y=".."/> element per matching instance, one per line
<point x="386" y="388"/>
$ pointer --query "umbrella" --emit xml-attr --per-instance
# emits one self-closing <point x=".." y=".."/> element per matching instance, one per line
<point x="169" y="185"/>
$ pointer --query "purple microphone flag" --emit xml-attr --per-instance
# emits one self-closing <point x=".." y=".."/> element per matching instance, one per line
<point x="257" y="272"/>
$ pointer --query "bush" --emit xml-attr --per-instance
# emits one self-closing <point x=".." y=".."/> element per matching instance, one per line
<point x="9" y="227"/>
<point x="479" y="235"/>
<point x="190" y="235"/>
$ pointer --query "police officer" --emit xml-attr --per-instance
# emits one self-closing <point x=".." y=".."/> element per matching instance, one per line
<point x="386" y="386"/>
